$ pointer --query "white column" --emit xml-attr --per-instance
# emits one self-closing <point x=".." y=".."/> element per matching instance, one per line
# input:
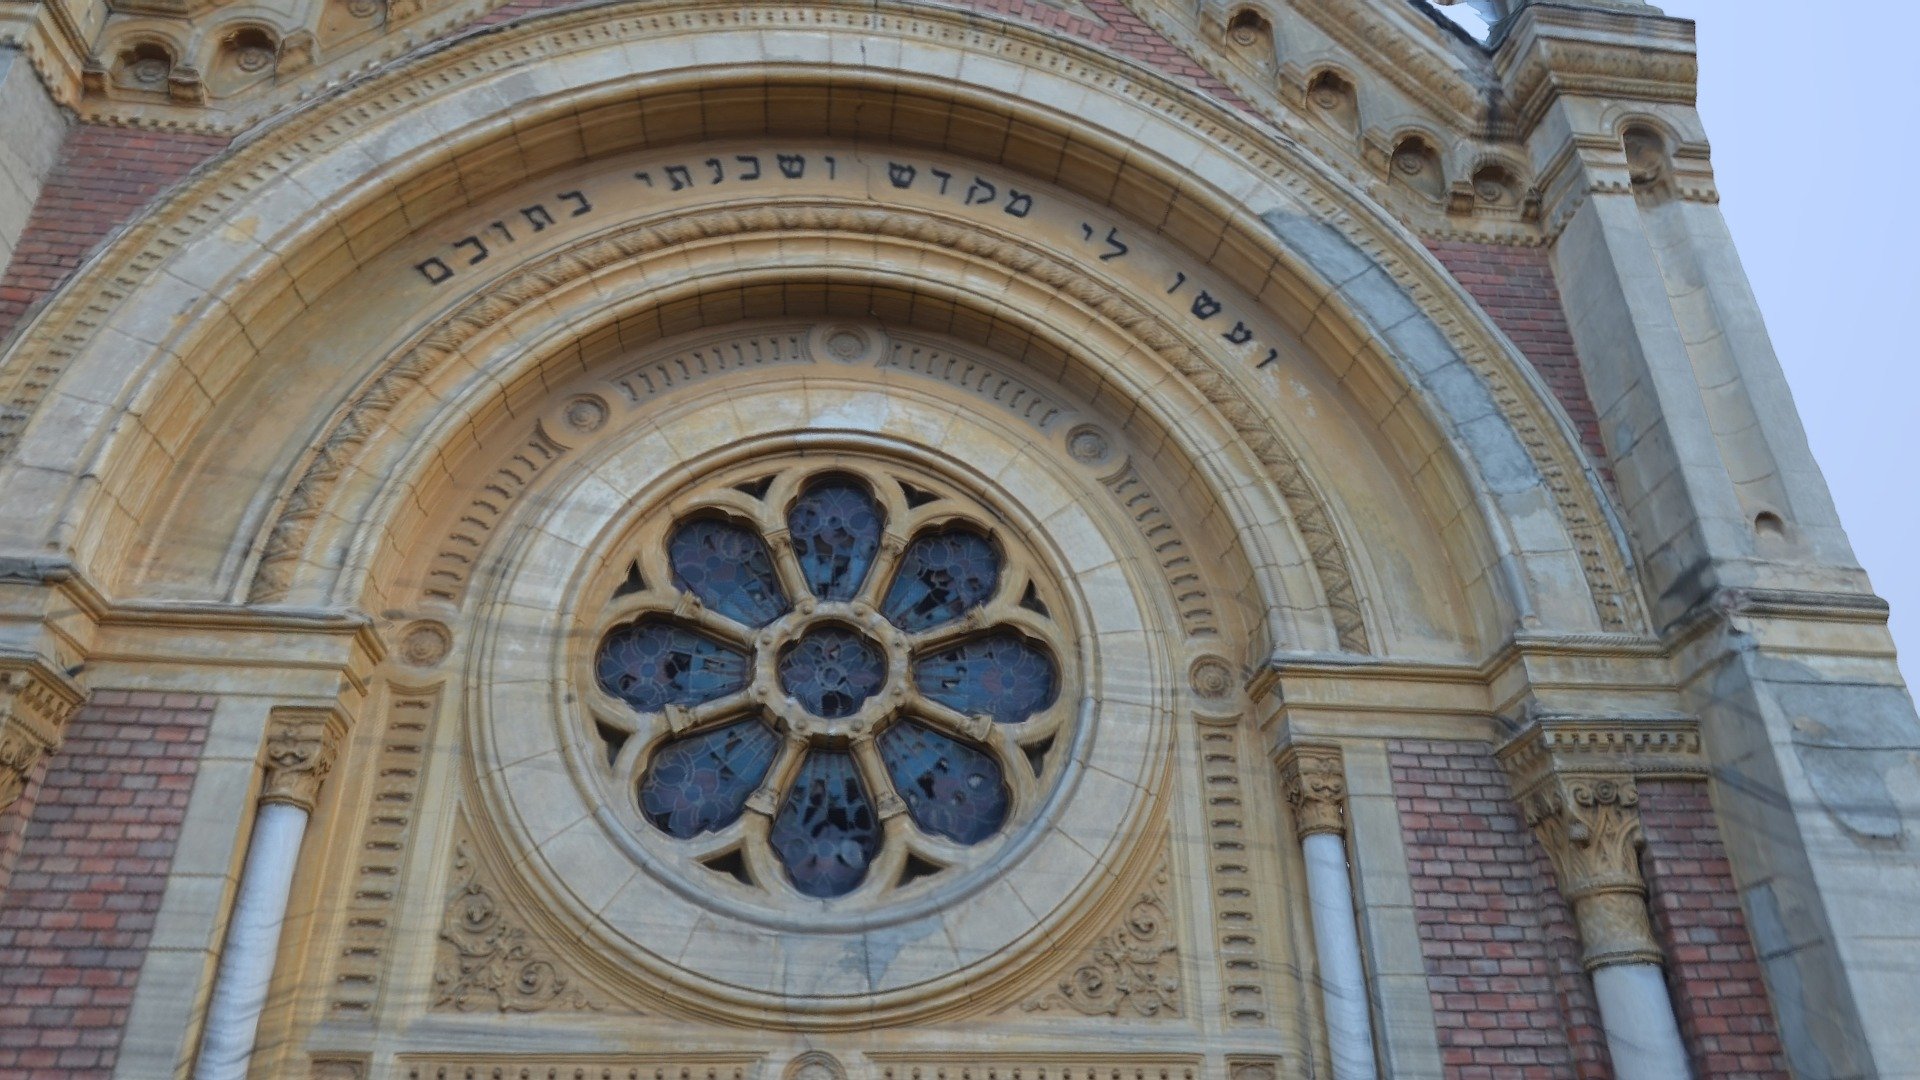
<point x="299" y="753"/>
<point x="1336" y="939"/>
<point x="1316" y="782"/>
<point x="1637" y="1014"/>
<point x="253" y="940"/>
<point x="1584" y="806"/>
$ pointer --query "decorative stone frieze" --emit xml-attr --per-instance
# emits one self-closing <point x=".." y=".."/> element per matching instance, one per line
<point x="35" y="704"/>
<point x="1574" y="778"/>
<point x="1316" y="784"/>
<point x="301" y="746"/>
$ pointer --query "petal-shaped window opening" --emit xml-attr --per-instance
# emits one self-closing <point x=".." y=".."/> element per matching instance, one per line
<point x="941" y="576"/>
<point x="652" y="664"/>
<point x="700" y="783"/>
<point x="729" y="569"/>
<point x="832" y="671"/>
<point x="827" y="832"/>
<point x="835" y="526"/>
<point x="1001" y="675"/>
<point x="951" y="789"/>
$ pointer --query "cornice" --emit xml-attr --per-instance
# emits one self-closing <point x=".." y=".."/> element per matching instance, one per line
<point x="1640" y="746"/>
<point x="1413" y="56"/>
<point x="55" y="47"/>
<point x="1551" y="50"/>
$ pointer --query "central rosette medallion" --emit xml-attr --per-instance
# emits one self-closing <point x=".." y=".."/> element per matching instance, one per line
<point x="838" y="682"/>
<point x="832" y="671"/>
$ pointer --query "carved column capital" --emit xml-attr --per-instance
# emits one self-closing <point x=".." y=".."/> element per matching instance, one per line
<point x="1575" y="781"/>
<point x="1590" y="826"/>
<point x="36" y="702"/>
<point x="1316" y="784"/>
<point x="300" y="750"/>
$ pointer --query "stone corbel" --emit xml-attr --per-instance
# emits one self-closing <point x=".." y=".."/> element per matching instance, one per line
<point x="36" y="701"/>
<point x="1316" y="786"/>
<point x="1576" y="781"/>
<point x="302" y="744"/>
<point x="185" y="86"/>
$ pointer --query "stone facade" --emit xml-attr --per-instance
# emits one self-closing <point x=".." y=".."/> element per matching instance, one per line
<point x="1390" y="623"/>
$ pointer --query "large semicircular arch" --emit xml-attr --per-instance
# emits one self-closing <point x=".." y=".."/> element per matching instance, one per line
<point x="204" y="261"/>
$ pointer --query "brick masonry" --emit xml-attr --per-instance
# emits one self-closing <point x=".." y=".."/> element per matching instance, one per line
<point x="87" y="880"/>
<point x="1509" y="999"/>
<point x="103" y="175"/>
<point x="1517" y="288"/>
<point x="1718" y="989"/>
<point x="1502" y="953"/>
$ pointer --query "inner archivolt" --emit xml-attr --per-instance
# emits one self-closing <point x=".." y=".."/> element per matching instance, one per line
<point x="817" y="694"/>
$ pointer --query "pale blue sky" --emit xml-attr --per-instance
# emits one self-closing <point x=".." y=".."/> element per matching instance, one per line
<point x="1806" y="107"/>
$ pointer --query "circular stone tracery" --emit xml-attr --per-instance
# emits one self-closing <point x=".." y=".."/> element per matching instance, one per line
<point x="824" y="675"/>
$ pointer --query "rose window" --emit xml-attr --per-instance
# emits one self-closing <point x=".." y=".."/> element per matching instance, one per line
<point x="826" y="683"/>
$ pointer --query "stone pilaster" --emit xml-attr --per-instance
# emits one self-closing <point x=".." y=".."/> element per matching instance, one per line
<point x="1316" y="786"/>
<point x="1574" y="779"/>
<point x="301" y="746"/>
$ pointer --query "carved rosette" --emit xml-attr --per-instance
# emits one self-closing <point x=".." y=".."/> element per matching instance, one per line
<point x="35" y="705"/>
<point x="301" y="746"/>
<point x="1316" y="783"/>
<point x="1590" y="826"/>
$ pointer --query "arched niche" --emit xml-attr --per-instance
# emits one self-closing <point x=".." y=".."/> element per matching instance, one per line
<point x="1336" y="340"/>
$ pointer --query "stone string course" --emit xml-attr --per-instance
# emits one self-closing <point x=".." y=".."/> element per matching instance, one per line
<point x="80" y="906"/>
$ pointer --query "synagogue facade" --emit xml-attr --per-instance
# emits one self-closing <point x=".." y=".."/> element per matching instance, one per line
<point x="907" y="540"/>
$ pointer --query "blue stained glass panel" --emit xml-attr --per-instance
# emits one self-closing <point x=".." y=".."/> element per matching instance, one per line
<point x="939" y="578"/>
<point x="827" y="832"/>
<point x="836" y="529"/>
<point x="951" y="789"/>
<point x="832" y="671"/>
<point x="700" y="783"/>
<point x="729" y="569"/>
<point x="1002" y="675"/>
<point x="651" y="665"/>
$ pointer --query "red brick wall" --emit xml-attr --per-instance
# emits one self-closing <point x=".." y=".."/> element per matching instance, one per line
<point x="93" y="860"/>
<point x="1517" y="288"/>
<point x="1509" y="998"/>
<point x="103" y="176"/>
<point x="1718" y="990"/>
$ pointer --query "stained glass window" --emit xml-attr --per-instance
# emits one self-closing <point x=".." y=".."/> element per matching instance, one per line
<point x="729" y="569"/>
<point x="832" y="670"/>
<point x="951" y="789"/>
<point x="651" y="665"/>
<point x="701" y="782"/>
<point x="836" y="532"/>
<point x="941" y="576"/>
<point x="845" y="715"/>
<point x="1000" y="675"/>
<point x="827" y="832"/>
